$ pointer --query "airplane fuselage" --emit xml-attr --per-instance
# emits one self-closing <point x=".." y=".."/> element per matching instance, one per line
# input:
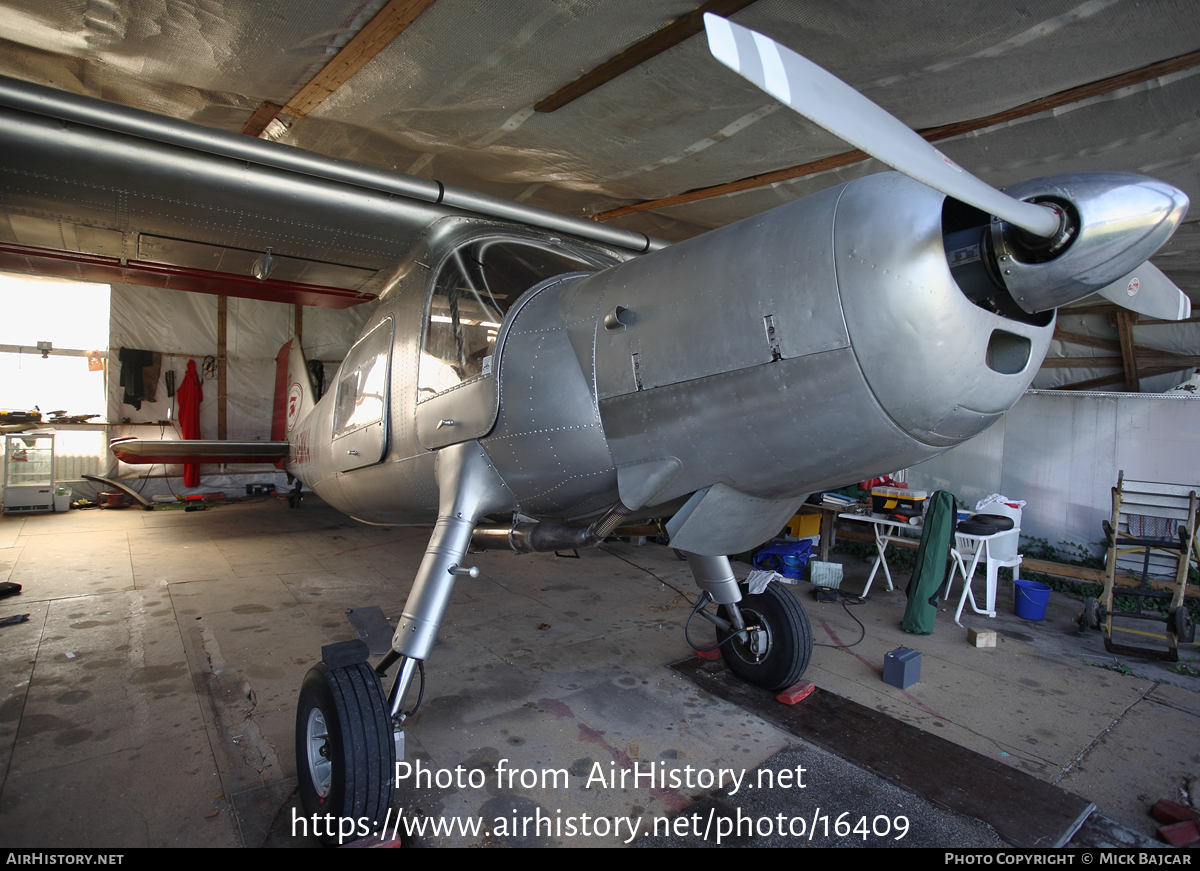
<point x="816" y="344"/>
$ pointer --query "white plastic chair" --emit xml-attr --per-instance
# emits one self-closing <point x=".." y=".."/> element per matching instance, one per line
<point x="997" y="550"/>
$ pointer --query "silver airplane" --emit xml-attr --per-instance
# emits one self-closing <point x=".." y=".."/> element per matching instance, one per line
<point x="530" y="382"/>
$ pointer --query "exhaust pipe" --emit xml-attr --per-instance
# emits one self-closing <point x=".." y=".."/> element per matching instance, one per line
<point x="544" y="536"/>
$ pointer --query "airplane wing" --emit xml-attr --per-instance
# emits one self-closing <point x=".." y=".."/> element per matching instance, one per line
<point x="96" y="191"/>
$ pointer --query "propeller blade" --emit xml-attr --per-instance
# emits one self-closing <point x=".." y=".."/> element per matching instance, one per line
<point x="1148" y="292"/>
<point x="829" y="102"/>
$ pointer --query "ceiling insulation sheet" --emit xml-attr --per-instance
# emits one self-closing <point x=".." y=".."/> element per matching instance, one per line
<point x="451" y="97"/>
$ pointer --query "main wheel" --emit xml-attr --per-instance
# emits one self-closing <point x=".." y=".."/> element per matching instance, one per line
<point x="1185" y="629"/>
<point x="345" y="753"/>
<point x="1090" y="618"/>
<point x="780" y="640"/>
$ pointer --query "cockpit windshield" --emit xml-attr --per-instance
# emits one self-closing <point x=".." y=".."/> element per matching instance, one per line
<point x="473" y="290"/>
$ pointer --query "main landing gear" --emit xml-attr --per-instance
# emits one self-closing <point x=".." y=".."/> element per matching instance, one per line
<point x="765" y="637"/>
<point x="775" y="649"/>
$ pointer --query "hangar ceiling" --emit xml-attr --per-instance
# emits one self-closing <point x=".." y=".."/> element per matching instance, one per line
<point x="483" y="94"/>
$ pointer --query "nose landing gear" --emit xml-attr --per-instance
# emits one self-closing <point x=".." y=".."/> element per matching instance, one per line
<point x="345" y="753"/>
<point x="346" y="741"/>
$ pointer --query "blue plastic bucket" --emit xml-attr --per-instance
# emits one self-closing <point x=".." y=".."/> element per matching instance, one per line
<point x="1031" y="598"/>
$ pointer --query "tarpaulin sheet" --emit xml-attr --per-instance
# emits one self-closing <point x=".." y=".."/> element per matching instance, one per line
<point x="183" y="326"/>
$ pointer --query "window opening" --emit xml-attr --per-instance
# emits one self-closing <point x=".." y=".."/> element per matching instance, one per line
<point x="73" y="318"/>
<point x="362" y="382"/>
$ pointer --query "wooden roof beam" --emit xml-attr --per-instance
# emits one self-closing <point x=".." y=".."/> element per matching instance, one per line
<point x="262" y="116"/>
<point x="653" y="45"/>
<point x="388" y="23"/>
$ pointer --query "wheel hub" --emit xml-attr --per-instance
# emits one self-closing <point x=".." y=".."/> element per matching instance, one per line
<point x="754" y="644"/>
<point x="320" y="768"/>
<point x="760" y="642"/>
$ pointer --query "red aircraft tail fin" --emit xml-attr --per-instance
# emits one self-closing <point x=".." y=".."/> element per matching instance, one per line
<point x="294" y="394"/>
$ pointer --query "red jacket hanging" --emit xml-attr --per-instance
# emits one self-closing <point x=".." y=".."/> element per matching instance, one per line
<point x="190" y="394"/>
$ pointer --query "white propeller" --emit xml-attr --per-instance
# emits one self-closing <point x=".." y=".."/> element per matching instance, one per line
<point x="1148" y="292"/>
<point x="832" y="104"/>
<point x="829" y="102"/>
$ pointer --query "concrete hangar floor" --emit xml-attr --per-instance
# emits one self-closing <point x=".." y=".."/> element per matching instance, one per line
<point x="149" y="700"/>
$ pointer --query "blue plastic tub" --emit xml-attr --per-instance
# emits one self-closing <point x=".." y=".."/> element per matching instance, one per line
<point x="1031" y="597"/>
<point x="786" y="557"/>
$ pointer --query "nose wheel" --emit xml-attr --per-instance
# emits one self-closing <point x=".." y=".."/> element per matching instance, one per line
<point x="345" y="752"/>
<point x="775" y="649"/>
<point x="320" y="769"/>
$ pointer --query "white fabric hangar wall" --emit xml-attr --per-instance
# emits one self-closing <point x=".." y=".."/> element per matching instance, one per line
<point x="1061" y="452"/>
<point x="183" y="326"/>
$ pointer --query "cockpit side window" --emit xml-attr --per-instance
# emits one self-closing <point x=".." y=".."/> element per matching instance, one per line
<point x="362" y="382"/>
<point x="473" y="290"/>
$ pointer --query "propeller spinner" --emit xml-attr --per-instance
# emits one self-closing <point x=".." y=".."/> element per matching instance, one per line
<point x="1055" y="241"/>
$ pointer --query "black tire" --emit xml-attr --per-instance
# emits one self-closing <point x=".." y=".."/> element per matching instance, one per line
<point x="789" y="645"/>
<point x="293" y="500"/>
<point x="1090" y="618"/>
<point x="1185" y="629"/>
<point x="343" y="711"/>
<point x="977" y="527"/>
<point x="1002" y="522"/>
